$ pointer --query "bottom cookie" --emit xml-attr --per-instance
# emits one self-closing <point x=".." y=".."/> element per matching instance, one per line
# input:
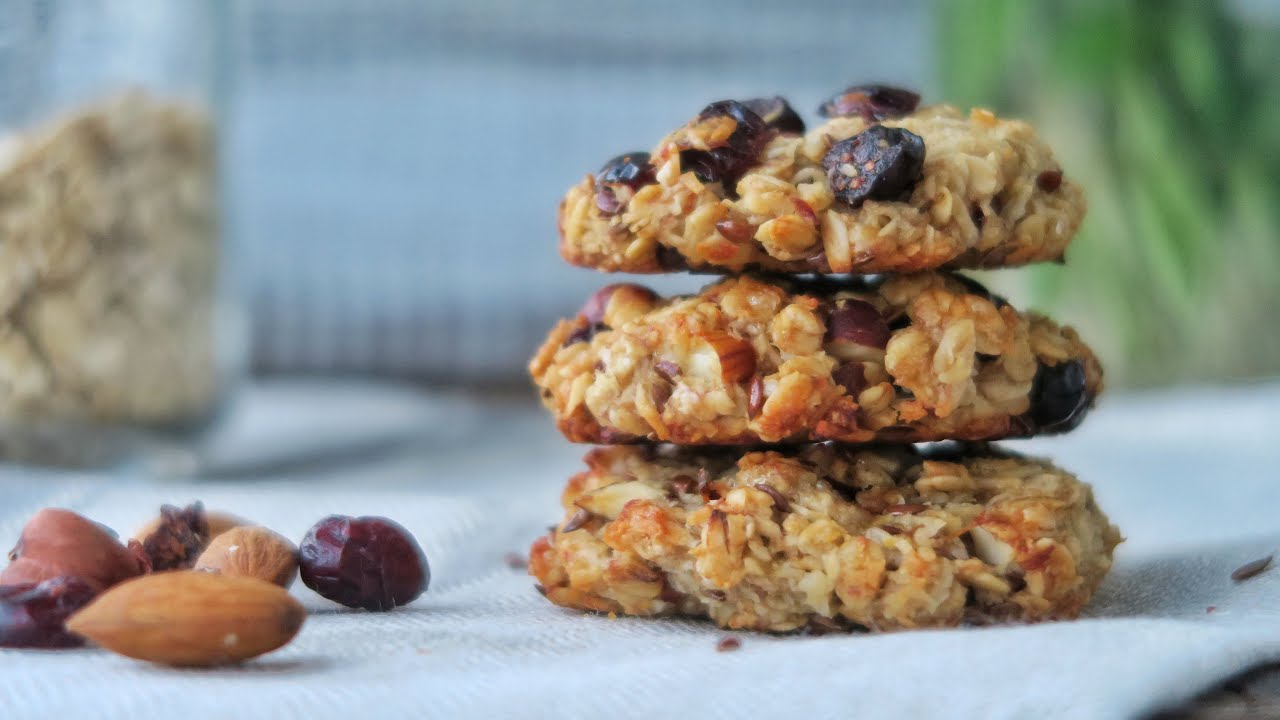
<point x="882" y="538"/>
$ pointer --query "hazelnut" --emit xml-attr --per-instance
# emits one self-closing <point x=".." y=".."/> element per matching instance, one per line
<point x="58" y="542"/>
<point x="252" y="551"/>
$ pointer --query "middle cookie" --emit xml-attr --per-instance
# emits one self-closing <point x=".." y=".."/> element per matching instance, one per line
<point x="908" y="358"/>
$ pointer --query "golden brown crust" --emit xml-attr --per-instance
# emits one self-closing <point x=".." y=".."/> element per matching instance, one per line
<point x="749" y="360"/>
<point x="880" y="538"/>
<point x="982" y="202"/>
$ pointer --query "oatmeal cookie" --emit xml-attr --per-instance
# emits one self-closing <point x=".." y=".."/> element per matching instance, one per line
<point x="880" y="186"/>
<point x="109" y="257"/>
<point x="907" y="358"/>
<point x="825" y="537"/>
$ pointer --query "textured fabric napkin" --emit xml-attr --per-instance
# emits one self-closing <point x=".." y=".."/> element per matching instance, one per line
<point x="1195" y="502"/>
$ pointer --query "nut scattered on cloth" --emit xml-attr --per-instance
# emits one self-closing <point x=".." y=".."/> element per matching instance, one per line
<point x="108" y="265"/>
<point x="990" y="194"/>
<point x="880" y="538"/>
<point x="929" y="356"/>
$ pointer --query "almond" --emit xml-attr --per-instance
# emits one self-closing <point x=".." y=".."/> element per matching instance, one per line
<point x="737" y="356"/>
<point x="608" y="501"/>
<point x="252" y="551"/>
<point x="191" y="619"/>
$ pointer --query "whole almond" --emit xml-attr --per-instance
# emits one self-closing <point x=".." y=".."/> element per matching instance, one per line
<point x="252" y="551"/>
<point x="191" y="619"/>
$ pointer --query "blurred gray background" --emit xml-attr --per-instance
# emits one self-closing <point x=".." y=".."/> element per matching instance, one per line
<point x="396" y="166"/>
<point x="393" y="168"/>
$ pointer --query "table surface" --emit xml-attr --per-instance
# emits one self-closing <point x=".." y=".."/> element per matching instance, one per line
<point x="1149" y="456"/>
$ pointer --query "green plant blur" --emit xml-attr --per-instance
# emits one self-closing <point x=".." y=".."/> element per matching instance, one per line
<point x="1168" y="112"/>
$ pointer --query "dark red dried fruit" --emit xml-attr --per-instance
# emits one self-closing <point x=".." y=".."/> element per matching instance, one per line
<point x="858" y="322"/>
<point x="630" y="170"/>
<point x="777" y="113"/>
<point x="32" y="615"/>
<point x="728" y="162"/>
<point x="853" y="376"/>
<point x="728" y="644"/>
<point x="583" y="333"/>
<point x="1049" y="180"/>
<point x="364" y="562"/>
<point x="594" y="309"/>
<point x="1058" y="397"/>
<point x="871" y="102"/>
<point x="879" y="163"/>
<point x="182" y="535"/>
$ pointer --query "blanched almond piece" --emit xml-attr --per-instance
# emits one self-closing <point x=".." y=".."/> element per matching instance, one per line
<point x="608" y="501"/>
<point x="989" y="549"/>
<point x="193" y="619"/>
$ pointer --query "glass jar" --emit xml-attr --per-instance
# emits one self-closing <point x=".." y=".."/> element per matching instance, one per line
<point x="117" y="327"/>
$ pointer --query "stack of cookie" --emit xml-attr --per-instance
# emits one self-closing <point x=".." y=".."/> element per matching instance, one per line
<point x="757" y="465"/>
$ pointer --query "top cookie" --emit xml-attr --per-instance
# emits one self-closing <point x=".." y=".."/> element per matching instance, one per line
<point x="880" y="186"/>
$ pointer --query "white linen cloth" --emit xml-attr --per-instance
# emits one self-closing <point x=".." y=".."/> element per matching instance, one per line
<point x="1190" y="477"/>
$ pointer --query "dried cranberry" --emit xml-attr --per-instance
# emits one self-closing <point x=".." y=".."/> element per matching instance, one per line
<point x="879" y="163"/>
<point x="853" y="376"/>
<point x="1049" y="180"/>
<point x="777" y="113"/>
<point x="729" y="161"/>
<point x="178" y="541"/>
<point x="871" y="102"/>
<point x="631" y="170"/>
<point x="857" y="322"/>
<point x="583" y="333"/>
<point x="365" y="562"/>
<point x="32" y="614"/>
<point x="1058" y="396"/>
